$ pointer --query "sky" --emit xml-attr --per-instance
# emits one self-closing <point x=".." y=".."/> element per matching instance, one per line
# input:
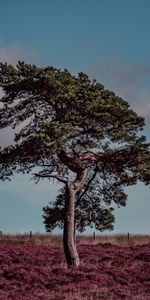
<point x="107" y="39"/>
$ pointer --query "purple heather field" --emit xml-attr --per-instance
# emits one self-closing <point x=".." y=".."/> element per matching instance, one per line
<point x="32" y="272"/>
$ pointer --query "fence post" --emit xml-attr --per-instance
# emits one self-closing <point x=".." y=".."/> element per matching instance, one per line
<point x="30" y="234"/>
<point x="1" y="233"/>
<point x="128" y="236"/>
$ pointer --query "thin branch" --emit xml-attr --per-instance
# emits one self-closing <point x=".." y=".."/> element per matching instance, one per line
<point x="51" y="176"/>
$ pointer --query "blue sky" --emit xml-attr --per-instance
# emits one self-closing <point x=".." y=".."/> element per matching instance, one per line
<point x="109" y="40"/>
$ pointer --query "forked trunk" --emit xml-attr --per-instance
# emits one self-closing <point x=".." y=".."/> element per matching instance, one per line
<point x="70" y="249"/>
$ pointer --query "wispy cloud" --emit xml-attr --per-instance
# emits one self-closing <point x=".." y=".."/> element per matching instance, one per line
<point x="17" y="51"/>
<point x="129" y="81"/>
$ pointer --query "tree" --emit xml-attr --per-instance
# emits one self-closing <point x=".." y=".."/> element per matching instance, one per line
<point x="70" y="129"/>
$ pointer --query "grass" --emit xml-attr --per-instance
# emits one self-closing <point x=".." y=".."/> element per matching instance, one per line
<point x="50" y="239"/>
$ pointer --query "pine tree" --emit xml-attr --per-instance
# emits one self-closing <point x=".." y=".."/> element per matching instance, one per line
<point x="73" y="130"/>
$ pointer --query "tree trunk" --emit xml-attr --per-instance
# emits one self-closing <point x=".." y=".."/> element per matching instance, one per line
<point x="75" y="231"/>
<point x="70" y="249"/>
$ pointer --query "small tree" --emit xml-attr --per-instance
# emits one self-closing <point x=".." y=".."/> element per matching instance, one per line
<point x="73" y="130"/>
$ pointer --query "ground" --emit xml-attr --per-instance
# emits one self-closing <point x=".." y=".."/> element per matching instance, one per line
<point x="38" y="272"/>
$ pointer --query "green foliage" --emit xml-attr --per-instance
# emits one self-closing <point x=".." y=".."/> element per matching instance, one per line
<point x="66" y="123"/>
<point x="89" y="211"/>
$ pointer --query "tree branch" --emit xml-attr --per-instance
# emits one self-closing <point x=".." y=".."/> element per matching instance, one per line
<point x="87" y="186"/>
<point x="51" y="176"/>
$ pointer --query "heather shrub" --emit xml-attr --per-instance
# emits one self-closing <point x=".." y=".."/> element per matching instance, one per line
<point x="107" y="271"/>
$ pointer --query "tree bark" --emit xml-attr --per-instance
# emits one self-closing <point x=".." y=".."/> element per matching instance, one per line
<point x="70" y="250"/>
<point x="69" y="244"/>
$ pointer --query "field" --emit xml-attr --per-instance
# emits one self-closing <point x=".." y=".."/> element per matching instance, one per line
<point x="112" y="267"/>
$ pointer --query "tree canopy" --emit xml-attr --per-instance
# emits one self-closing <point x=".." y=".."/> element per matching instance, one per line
<point x="68" y="125"/>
